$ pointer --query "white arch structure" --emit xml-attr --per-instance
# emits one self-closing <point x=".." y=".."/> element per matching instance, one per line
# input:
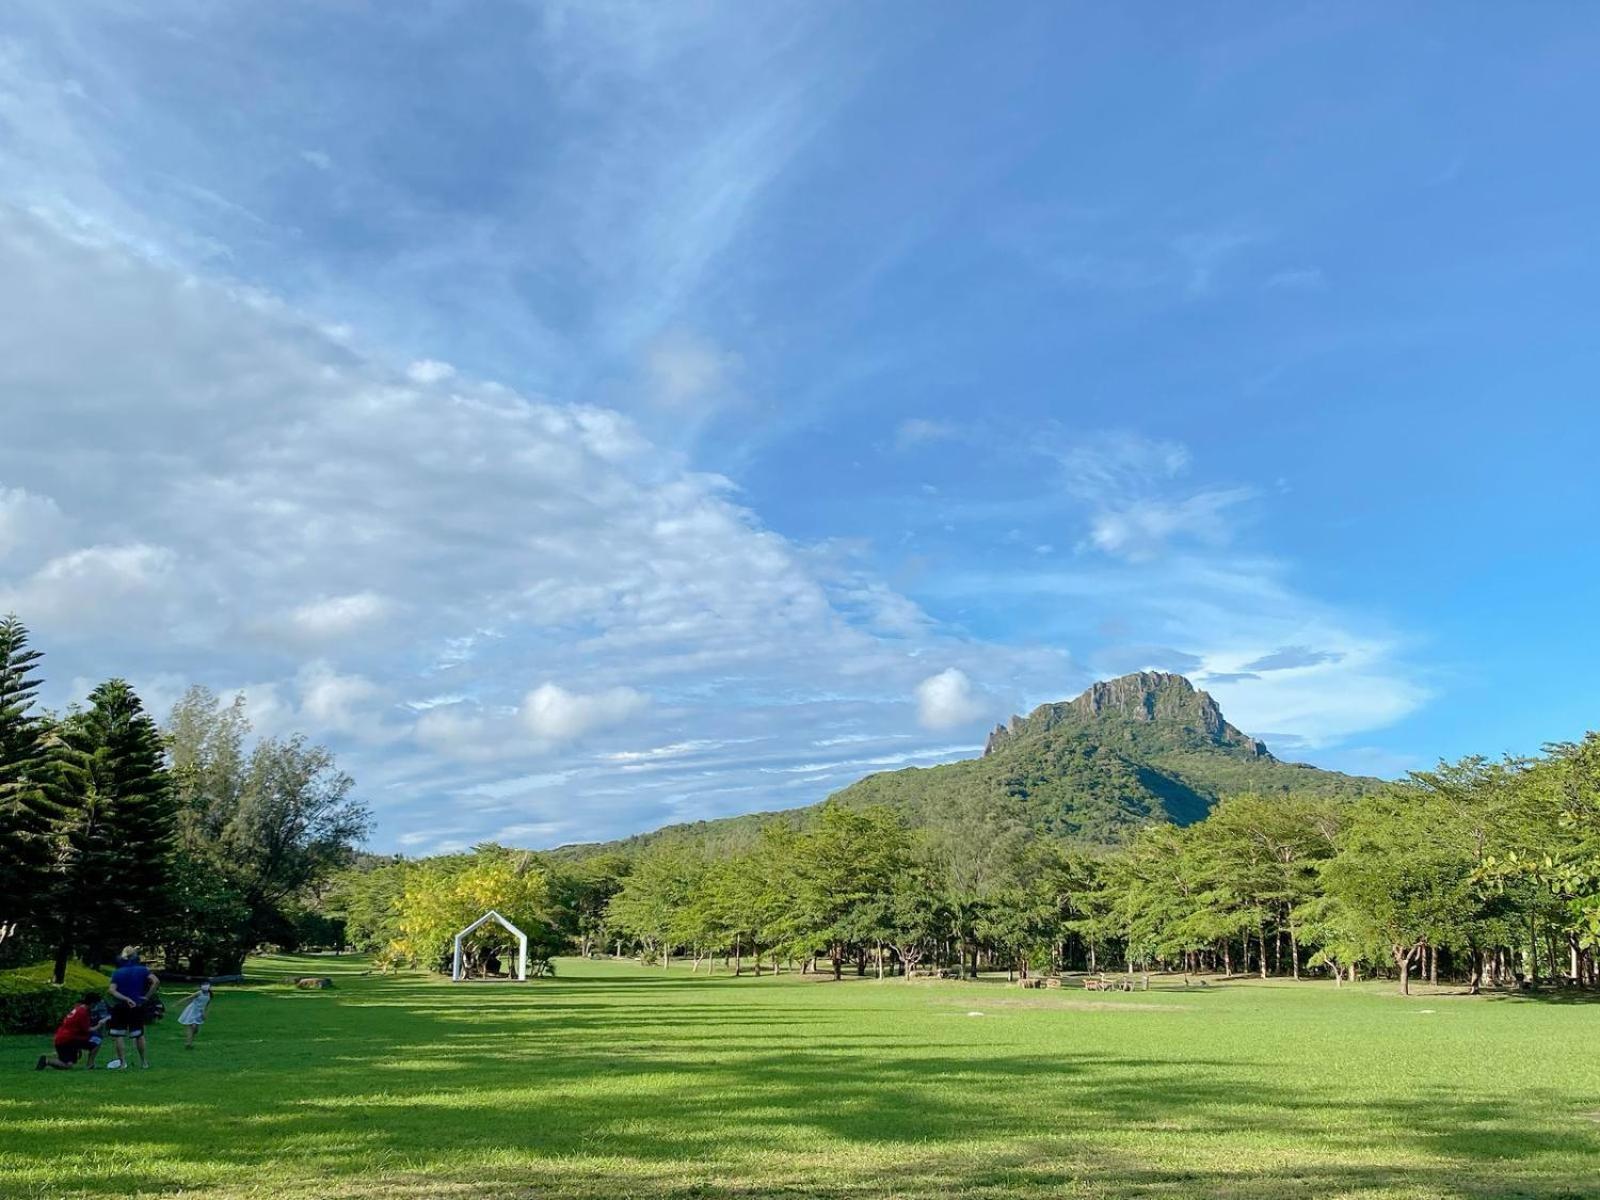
<point x="458" y="970"/>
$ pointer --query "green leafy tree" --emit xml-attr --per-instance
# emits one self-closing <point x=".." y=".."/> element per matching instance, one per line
<point x="1263" y="854"/>
<point x="1160" y="895"/>
<point x="913" y="918"/>
<point x="367" y="894"/>
<point x="754" y="895"/>
<point x="263" y="826"/>
<point x="972" y="856"/>
<point x="1395" y="882"/>
<point x="442" y="896"/>
<point x="846" y="861"/>
<point x="653" y="905"/>
<point x="1482" y="813"/>
<point x="1570" y="784"/>
<point x="583" y="890"/>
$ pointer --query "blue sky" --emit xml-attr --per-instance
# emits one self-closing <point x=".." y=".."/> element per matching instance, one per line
<point x="588" y="416"/>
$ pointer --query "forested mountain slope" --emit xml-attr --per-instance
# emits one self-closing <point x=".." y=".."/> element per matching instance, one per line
<point x="1128" y="751"/>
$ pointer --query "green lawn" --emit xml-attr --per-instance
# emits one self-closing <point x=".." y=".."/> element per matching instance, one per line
<point x="615" y="1081"/>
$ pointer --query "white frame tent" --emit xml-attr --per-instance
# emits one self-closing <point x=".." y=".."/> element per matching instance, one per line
<point x="456" y="972"/>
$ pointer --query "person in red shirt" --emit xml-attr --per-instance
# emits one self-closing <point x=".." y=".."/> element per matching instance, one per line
<point x="75" y="1034"/>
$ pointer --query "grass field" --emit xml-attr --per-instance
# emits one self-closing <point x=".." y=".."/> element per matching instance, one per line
<point x="617" y="1081"/>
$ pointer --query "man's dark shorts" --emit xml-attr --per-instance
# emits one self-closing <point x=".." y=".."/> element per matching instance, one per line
<point x="127" y="1020"/>
<point x="68" y="1052"/>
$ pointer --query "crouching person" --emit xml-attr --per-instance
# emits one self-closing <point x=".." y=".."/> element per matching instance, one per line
<point x="77" y="1033"/>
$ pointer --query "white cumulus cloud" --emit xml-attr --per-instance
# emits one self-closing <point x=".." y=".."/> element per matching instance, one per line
<point x="554" y="714"/>
<point x="27" y="523"/>
<point x="429" y="370"/>
<point x="948" y="699"/>
<point x="338" y="616"/>
<point x="334" y="701"/>
<point x="95" y="587"/>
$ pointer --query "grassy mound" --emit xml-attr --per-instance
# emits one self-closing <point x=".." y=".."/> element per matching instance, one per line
<point x="31" y="1003"/>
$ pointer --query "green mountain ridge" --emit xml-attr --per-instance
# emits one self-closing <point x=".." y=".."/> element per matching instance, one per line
<point x="1129" y="751"/>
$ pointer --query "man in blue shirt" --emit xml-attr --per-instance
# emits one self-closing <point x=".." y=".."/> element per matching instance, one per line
<point x="132" y="986"/>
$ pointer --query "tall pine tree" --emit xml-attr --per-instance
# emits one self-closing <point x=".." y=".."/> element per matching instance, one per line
<point x="119" y="828"/>
<point x="25" y="810"/>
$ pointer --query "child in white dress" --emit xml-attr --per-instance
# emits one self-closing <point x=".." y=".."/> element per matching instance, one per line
<point x="194" y="1015"/>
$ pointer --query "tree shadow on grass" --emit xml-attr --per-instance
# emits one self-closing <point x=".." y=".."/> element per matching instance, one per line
<point x="401" y="1090"/>
<point x="1561" y="995"/>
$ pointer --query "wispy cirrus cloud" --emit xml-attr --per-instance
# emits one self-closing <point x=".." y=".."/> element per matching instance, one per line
<point x="920" y="431"/>
<point x="686" y="373"/>
<point x="1218" y="613"/>
<point x="1138" y="506"/>
<point x="419" y="419"/>
<point x="566" y="584"/>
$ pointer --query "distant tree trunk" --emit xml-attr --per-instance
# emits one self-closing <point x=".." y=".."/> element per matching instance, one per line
<point x="880" y="960"/>
<point x="1433" y="966"/>
<point x="1402" y="961"/>
<point x="63" y="954"/>
<point x="1262" y="935"/>
<point x="736" y="964"/>
<point x="1294" y="948"/>
<point x="1227" y="960"/>
<point x="835" y="954"/>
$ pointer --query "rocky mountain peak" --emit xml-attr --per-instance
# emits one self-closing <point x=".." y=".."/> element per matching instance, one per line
<point x="1150" y="697"/>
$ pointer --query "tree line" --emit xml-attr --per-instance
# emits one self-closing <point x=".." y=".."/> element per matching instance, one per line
<point x="196" y="839"/>
<point x="1479" y="871"/>
<point x="189" y="838"/>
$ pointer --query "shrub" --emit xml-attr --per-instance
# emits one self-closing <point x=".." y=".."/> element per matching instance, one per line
<point x="36" y="1010"/>
<point x="30" y="1003"/>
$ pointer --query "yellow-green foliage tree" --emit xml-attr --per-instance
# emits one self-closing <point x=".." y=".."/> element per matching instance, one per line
<point x="442" y="896"/>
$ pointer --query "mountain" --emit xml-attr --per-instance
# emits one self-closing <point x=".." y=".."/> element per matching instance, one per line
<point x="1128" y="751"/>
